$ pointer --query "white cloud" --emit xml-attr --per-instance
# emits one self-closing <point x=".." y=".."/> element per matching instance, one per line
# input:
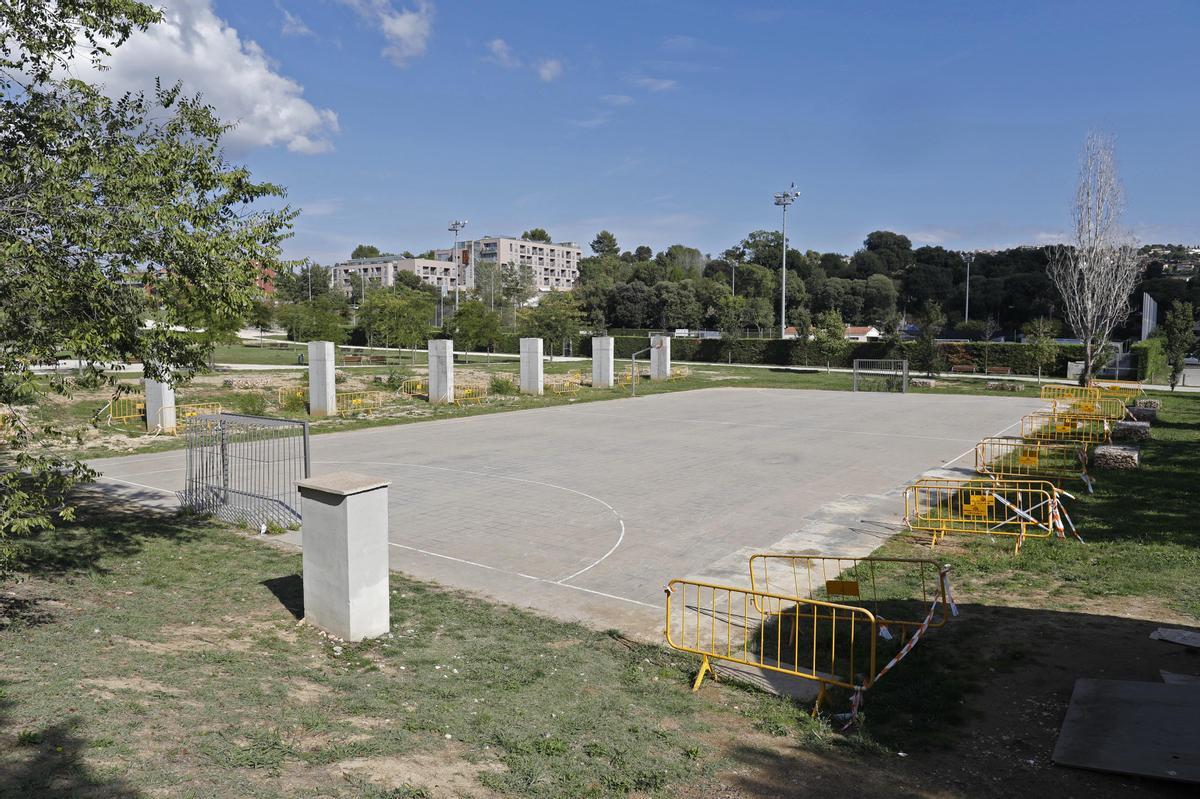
<point x="616" y="99"/>
<point x="502" y="54"/>
<point x="681" y="43"/>
<point x="594" y="121"/>
<point x="407" y="31"/>
<point x="549" y="69"/>
<point x="193" y="45"/>
<point x="655" y="84"/>
<point x="1050" y="237"/>
<point x="292" y="24"/>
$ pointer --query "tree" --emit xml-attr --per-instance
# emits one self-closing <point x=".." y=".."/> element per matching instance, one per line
<point x="262" y="316"/>
<point x="830" y="335"/>
<point x="517" y="284"/>
<point x="643" y="253"/>
<point x="304" y="280"/>
<point x="1039" y="339"/>
<point x="731" y="318"/>
<point x="411" y="323"/>
<point x="605" y="243"/>
<point x="113" y="214"/>
<point x="932" y="319"/>
<point x="630" y="304"/>
<point x="1180" y="331"/>
<point x="537" y="234"/>
<point x="879" y="299"/>
<point x="1097" y="272"/>
<point x="365" y="251"/>
<point x="678" y="307"/>
<point x="312" y="321"/>
<point x="554" y="319"/>
<point x="475" y="326"/>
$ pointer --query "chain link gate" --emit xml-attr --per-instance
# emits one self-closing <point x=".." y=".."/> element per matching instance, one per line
<point x="243" y="468"/>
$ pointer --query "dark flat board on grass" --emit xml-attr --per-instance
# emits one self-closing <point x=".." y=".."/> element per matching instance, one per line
<point x="1145" y="729"/>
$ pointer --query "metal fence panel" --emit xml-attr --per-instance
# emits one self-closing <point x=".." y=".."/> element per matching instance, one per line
<point x="874" y="374"/>
<point x="244" y="468"/>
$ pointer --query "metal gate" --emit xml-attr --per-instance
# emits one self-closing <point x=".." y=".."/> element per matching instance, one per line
<point x="872" y="374"/>
<point x="244" y="469"/>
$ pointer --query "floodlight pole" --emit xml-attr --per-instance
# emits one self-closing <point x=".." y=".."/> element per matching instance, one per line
<point x="783" y="199"/>
<point x="456" y="226"/>
<point x="968" y="257"/>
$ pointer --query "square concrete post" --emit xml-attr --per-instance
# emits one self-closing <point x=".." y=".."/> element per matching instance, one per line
<point x="441" y="371"/>
<point x="602" y="361"/>
<point x="532" y="369"/>
<point x="660" y="357"/>
<point x="160" y="406"/>
<point x="345" y="552"/>
<point x="322" y="392"/>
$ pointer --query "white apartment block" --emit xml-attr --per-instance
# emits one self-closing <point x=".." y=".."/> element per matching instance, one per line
<point x="382" y="271"/>
<point x="555" y="266"/>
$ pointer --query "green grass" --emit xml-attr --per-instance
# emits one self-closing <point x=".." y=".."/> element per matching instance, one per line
<point x="160" y="654"/>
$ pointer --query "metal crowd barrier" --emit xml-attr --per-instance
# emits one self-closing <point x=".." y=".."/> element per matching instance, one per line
<point x="564" y="384"/>
<point x="834" y="644"/>
<point x="284" y="393"/>
<point x="359" y="402"/>
<point x="185" y="415"/>
<point x="1008" y="457"/>
<point x="1111" y="408"/>
<point x="1052" y="391"/>
<point x="1017" y="508"/>
<point x="415" y="387"/>
<point x="1125" y="390"/>
<point x="464" y="395"/>
<point x="1044" y="426"/>
<point x="680" y="373"/>
<point x="127" y="408"/>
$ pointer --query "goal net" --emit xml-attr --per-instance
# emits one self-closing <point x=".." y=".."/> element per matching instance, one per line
<point x="880" y="375"/>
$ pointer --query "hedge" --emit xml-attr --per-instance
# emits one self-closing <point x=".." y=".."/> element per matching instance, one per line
<point x="1150" y="359"/>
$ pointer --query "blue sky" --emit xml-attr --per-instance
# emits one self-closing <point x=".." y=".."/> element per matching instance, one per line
<point x="956" y="123"/>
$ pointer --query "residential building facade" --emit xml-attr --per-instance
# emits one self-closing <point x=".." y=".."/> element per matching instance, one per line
<point x="382" y="271"/>
<point x="555" y="267"/>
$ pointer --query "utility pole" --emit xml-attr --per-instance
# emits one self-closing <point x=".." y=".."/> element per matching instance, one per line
<point x="456" y="226"/>
<point x="783" y="199"/>
<point x="969" y="258"/>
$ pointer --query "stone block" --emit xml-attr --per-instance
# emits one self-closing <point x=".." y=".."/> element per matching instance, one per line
<point x="1131" y="431"/>
<point x="1148" y="402"/>
<point x="1116" y="456"/>
<point x="345" y="554"/>
<point x="532" y="368"/>
<point x="322" y="369"/>
<point x="1144" y="414"/>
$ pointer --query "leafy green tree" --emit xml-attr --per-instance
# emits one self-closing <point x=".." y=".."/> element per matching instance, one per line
<point x="537" y="234"/>
<point x="731" y="318"/>
<point x="517" y="285"/>
<point x="643" y="253"/>
<point x="365" y="251"/>
<point x="630" y="304"/>
<point x="1039" y="338"/>
<point x="760" y="312"/>
<point x="555" y="318"/>
<point x="113" y="214"/>
<point x="677" y="305"/>
<point x="262" y="316"/>
<point x="412" y="320"/>
<point x="312" y="321"/>
<point x="605" y="243"/>
<point x="927" y="356"/>
<point x="879" y="298"/>
<point x="830" y="336"/>
<point x="1180" y="330"/>
<point x="475" y="326"/>
<point x="305" y="280"/>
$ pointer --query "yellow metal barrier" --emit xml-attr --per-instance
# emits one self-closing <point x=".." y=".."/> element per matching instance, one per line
<point x="464" y="395"/>
<point x="1051" y="391"/>
<point x="1124" y="390"/>
<point x="680" y="373"/>
<point x="626" y="377"/>
<point x="1111" y="408"/>
<point x="359" y="402"/>
<point x="831" y="643"/>
<point x="854" y="581"/>
<point x="1008" y="457"/>
<point x="7" y="423"/>
<point x="285" y="393"/>
<point x="1018" y="508"/>
<point x="126" y="409"/>
<point x="1042" y="426"/>
<point x="415" y="387"/>
<point x="564" y="384"/>
<point x="184" y="415"/>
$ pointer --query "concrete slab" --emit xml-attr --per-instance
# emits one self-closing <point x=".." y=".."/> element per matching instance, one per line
<point x="586" y="511"/>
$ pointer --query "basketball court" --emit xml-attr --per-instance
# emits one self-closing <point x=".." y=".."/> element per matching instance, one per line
<point x="585" y="511"/>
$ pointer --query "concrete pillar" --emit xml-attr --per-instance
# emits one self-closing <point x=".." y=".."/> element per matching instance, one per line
<point x="532" y="374"/>
<point x="602" y="361"/>
<point x="441" y="371"/>
<point x="322" y="391"/>
<point x="345" y="553"/>
<point x="660" y="357"/>
<point x="160" y="405"/>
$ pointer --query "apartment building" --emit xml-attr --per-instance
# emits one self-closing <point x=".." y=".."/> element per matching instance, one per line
<point x="382" y="271"/>
<point x="555" y="266"/>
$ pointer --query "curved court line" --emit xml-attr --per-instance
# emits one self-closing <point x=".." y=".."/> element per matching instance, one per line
<point x="561" y="581"/>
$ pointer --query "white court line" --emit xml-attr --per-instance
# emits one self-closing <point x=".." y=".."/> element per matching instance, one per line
<point x="559" y="583"/>
<point x="155" y="471"/>
<point x="611" y="509"/>
<point x="137" y="485"/>
<point x="997" y="434"/>
<point x="768" y="426"/>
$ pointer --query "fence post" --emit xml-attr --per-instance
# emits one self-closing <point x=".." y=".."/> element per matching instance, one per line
<point x="532" y="370"/>
<point x="345" y="554"/>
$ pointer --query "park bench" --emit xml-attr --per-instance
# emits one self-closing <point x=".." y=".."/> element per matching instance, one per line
<point x="963" y="368"/>
<point x="350" y="360"/>
<point x="378" y="358"/>
<point x="999" y="370"/>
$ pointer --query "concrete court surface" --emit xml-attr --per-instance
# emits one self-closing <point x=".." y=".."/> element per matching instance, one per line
<point x="587" y="511"/>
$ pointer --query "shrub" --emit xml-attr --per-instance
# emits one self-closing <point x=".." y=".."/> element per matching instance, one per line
<point x="253" y="403"/>
<point x="1150" y="359"/>
<point x="503" y="385"/>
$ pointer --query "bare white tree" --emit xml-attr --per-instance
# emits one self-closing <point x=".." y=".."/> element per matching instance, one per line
<point x="1096" y="273"/>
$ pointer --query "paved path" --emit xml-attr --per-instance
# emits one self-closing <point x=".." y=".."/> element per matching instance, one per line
<point x="586" y="511"/>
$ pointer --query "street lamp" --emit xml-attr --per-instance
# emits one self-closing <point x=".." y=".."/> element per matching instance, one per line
<point x="969" y="258"/>
<point x="456" y="226"/>
<point x="783" y="199"/>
